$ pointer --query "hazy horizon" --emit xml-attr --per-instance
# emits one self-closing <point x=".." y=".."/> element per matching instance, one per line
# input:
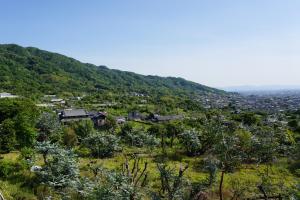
<point x="245" y="88"/>
<point x="215" y="43"/>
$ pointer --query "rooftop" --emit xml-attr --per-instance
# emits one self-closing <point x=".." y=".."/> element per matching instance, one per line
<point x="74" y="113"/>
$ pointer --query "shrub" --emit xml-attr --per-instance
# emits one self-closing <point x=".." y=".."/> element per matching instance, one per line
<point x="83" y="151"/>
<point x="61" y="169"/>
<point x="103" y="144"/>
<point x="7" y="136"/>
<point x="27" y="156"/>
<point x="84" y="128"/>
<point x="7" y="168"/>
<point x="190" y="141"/>
<point x="140" y="139"/>
<point x="49" y="127"/>
<point x="70" y="138"/>
<point x="14" y="192"/>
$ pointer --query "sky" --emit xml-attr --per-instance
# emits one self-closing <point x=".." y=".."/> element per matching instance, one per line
<point x="218" y="43"/>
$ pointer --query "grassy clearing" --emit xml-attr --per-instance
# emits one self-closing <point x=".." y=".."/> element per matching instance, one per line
<point x="249" y="175"/>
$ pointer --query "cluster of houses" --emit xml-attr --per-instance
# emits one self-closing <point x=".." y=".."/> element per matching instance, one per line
<point x="99" y="118"/>
<point x="271" y="102"/>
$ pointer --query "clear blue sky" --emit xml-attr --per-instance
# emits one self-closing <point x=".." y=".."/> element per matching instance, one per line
<point x="213" y="42"/>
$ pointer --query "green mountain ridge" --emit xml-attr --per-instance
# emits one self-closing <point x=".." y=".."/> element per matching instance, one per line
<point x="29" y="70"/>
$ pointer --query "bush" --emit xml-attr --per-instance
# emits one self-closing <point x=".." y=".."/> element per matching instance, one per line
<point x="190" y="141"/>
<point x="83" y="151"/>
<point x="70" y="138"/>
<point x="61" y="169"/>
<point x="140" y="139"/>
<point x="7" y="168"/>
<point x="103" y="144"/>
<point x="84" y="129"/>
<point x="49" y="127"/>
<point x="27" y="156"/>
<point x="14" y="192"/>
<point x="7" y="136"/>
<point x="20" y="195"/>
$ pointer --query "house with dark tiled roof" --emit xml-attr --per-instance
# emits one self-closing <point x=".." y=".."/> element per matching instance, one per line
<point x="68" y="115"/>
<point x="99" y="118"/>
<point x="135" y="116"/>
<point x="164" y="118"/>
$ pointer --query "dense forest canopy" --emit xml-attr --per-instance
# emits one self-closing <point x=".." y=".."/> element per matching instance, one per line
<point x="30" y="71"/>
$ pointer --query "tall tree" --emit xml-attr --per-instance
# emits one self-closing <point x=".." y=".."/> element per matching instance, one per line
<point x="7" y="136"/>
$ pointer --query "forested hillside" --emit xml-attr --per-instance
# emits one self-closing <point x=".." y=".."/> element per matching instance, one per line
<point x="30" y="71"/>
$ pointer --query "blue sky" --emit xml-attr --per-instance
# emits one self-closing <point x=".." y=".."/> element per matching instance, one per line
<point x="214" y="42"/>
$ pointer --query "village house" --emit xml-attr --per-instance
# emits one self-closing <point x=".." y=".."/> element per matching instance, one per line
<point x="7" y="95"/>
<point x="70" y="115"/>
<point x="163" y="118"/>
<point x="135" y="116"/>
<point x="99" y="118"/>
<point x="57" y="101"/>
<point x="120" y="120"/>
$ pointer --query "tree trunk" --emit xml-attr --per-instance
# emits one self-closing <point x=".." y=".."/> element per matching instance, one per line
<point x="45" y="158"/>
<point x="172" y="140"/>
<point x="163" y="147"/>
<point x="221" y="185"/>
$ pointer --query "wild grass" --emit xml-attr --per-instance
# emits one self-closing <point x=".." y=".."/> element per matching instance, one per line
<point x="249" y="175"/>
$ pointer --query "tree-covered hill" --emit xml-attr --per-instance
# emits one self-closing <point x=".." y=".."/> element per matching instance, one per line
<point x="29" y="71"/>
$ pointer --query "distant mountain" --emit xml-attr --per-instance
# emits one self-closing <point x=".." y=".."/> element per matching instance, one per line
<point x="29" y="71"/>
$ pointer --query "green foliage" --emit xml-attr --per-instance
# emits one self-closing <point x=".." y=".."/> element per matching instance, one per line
<point x="27" y="156"/>
<point x="248" y="118"/>
<point x="61" y="169"/>
<point x="30" y="71"/>
<point x="229" y="153"/>
<point x="125" y="129"/>
<point x="113" y="186"/>
<point x="9" y="168"/>
<point x="70" y="138"/>
<point x="157" y="130"/>
<point x="14" y="192"/>
<point x="49" y="127"/>
<point x="190" y="141"/>
<point x="46" y="148"/>
<point x="110" y="124"/>
<point x="265" y="145"/>
<point x="84" y="128"/>
<point x="175" y="186"/>
<point x="83" y="151"/>
<point x="25" y="131"/>
<point x="173" y="129"/>
<point x="210" y="134"/>
<point x="17" y="123"/>
<point x="211" y="166"/>
<point x="8" y="139"/>
<point x="139" y="138"/>
<point x="102" y="144"/>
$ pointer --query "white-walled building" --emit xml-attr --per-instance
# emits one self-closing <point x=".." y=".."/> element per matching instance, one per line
<point x="7" y="95"/>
